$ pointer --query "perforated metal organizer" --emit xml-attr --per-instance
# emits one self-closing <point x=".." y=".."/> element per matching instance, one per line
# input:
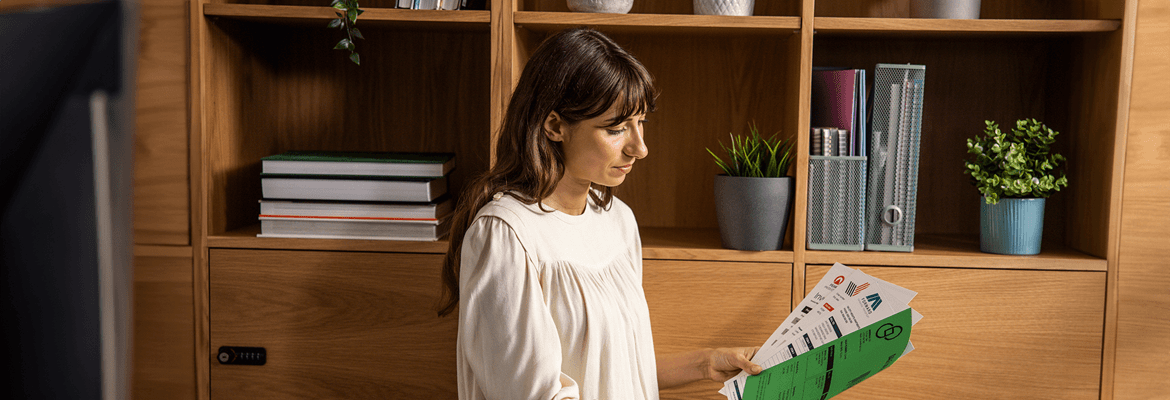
<point x="896" y="126"/>
<point x="836" y="203"/>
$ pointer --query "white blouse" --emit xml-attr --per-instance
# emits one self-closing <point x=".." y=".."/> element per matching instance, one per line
<point x="551" y="305"/>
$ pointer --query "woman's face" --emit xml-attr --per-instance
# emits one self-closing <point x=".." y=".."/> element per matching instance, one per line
<point x="596" y="151"/>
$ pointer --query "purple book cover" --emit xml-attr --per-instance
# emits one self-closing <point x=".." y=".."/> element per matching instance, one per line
<point x="832" y="99"/>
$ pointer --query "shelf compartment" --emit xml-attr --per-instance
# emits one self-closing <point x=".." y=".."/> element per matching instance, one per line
<point x="657" y="23"/>
<point x="304" y="15"/>
<point x="962" y="251"/>
<point x="927" y="27"/>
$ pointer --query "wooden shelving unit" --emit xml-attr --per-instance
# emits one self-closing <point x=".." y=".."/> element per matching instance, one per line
<point x="267" y="81"/>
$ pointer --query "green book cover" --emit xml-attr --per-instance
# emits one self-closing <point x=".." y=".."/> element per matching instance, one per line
<point x="830" y="369"/>
<point x="363" y="156"/>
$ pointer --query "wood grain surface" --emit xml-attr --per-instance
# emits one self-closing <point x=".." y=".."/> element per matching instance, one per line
<point x="164" y="325"/>
<point x="993" y="334"/>
<point x="334" y="324"/>
<point x="696" y="305"/>
<point x="161" y="184"/>
<point x="1143" y="309"/>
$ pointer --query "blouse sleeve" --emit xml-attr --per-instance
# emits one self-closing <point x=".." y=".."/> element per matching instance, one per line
<point x="507" y="334"/>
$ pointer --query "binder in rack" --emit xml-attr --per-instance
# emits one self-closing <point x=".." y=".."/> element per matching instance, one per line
<point x="893" y="156"/>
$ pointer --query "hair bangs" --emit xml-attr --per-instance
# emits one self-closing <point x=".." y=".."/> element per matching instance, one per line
<point x="621" y="85"/>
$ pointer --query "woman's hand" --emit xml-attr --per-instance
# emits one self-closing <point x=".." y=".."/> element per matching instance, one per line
<point x="725" y="363"/>
<point x="715" y="364"/>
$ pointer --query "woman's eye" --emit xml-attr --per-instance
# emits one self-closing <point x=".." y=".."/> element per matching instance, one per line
<point x="616" y="131"/>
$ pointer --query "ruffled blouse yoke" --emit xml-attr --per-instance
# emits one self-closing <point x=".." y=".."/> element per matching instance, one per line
<point x="551" y="305"/>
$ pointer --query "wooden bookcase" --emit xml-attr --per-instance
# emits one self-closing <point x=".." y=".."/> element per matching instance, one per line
<point x="265" y="80"/>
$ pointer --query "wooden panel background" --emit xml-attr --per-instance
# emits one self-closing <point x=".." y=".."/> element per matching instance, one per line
<point x="335" y="325"/>
<point x="164" y="325"/>
<point x="993" y="334"/>
<point x="695" y="305"/>
<point x="1143" y="320"/>
<point x="161" y="186"/>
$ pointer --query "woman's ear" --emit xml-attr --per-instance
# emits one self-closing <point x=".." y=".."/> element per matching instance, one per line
<point x="554" y="127"/>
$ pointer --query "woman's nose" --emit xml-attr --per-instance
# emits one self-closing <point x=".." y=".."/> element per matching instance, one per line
<point x="636" y="146"/>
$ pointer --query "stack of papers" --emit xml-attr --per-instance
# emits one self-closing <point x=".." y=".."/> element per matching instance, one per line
<point x="848" y="328"/>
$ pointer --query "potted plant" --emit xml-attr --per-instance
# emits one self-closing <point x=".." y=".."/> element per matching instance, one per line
<point x="1015" y="172"/>
<point x="753" y="197"/>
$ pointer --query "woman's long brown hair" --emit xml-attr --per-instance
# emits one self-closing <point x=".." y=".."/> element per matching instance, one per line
<point x="578" y="73"/>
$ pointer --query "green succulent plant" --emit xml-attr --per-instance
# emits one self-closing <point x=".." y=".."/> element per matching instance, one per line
<point x="755" y="156"/>
<point x="1018" y="163"/>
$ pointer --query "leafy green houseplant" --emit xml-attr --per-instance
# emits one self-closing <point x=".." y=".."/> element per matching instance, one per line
<point x="1017" y="164"/>
<point x="1015" y="172"/>
<point x="753" y="198"/>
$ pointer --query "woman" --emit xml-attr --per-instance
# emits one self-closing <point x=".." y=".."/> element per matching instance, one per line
<point x="545" y="264"/>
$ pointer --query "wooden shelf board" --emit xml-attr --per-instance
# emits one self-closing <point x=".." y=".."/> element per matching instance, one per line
<point x="963" y="252"/>
<point x="660" y="23"/>
<point x="371" y="16"/>
<point x="657" y="243"/>
<point x="245" y="238"/>
<point x="921" y="26"/>
<point x="700" y="245"/>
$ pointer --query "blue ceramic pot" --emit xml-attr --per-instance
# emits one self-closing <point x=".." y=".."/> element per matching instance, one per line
<point x="753" y="212"/>
<point x="1012" y="226"/>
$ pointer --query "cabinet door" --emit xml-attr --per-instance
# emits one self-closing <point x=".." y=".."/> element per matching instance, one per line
<point x="334" y="325"/>
<point x="699" y="304"/>
<point x="994" y="334"/>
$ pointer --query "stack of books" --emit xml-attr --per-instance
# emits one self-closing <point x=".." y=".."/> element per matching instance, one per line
<point x="356" y="195"/>
<point x="849" y="328"/>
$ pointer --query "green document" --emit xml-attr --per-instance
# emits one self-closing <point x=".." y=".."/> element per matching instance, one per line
<point x="832" y="368"/>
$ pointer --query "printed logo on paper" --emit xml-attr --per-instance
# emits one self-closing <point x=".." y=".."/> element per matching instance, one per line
<point x="874" y="300"/>
<point x="853" y="289"/>
<point x="828" y="307"/>
<point x="888" y="331"/>
<point x="838" y="279"/>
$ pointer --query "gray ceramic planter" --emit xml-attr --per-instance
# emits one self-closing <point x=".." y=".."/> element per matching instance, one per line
<point x="753" y="212"/>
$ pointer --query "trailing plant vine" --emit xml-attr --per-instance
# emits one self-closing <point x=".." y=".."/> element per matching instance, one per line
<point x="347" y="13"/>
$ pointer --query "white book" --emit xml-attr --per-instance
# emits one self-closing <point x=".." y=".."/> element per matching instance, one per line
<point x="359" y="163"/>
<point x="449" y="4"/>
<point x="376" y="211"/>
<point x="428" y="4"/>
<point x="352" y="229"/>
<point x="347" y="188"/>
<point x="405" y="3"/>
